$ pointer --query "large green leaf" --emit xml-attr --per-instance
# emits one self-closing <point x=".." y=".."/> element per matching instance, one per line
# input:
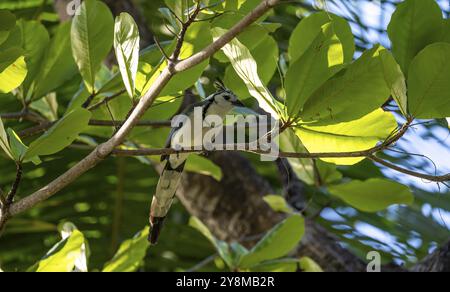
<point x="4" y="143"/>
<point x="320" y="61"/>
<point x="373" y="195"/>
<point x="358" y="135"/>
<point x="35" y="43"/>
<point x="429" y="86"/>
<point x="130" y="255"/>
<point x="247" y="69"/>
<point x="7" y="23"/>
<point x="277" y="243"/>
<point x="67" y="255"/>
<point x="61" y="135"/>
<point x="307" y="30"/>
<point x="126" y="44"/>
<point x="266" y="56"/>
<point x="58" y="66"/>
<point x="199" y="164"/>
<point x="9" y="56"/>
<point x="13" y="76"/>
<point x="414" y="25"/>
<point x="92" y="37"/>
<point x="351" y="95"/>
<point x="396" y="81"/>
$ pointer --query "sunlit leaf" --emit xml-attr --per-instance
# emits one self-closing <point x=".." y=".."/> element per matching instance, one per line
<point x="126" y="44"/>
<point x="130" y="255"/>
<point x="65" y="256"/>
<point x="358" y="135"/>
<point x="13" y="76"/>
<point x="246" y="67"/>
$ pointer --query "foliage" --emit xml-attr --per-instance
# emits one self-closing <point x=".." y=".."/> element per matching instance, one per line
<point x="305" y="73"/>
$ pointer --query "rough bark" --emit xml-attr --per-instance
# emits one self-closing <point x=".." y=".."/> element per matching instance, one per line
<point x="438" y="261"/>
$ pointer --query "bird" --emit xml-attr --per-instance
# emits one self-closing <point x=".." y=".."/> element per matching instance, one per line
<point x="220" y="103"/>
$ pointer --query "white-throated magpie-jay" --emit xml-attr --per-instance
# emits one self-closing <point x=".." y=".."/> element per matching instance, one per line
<point x="220" y="103"/>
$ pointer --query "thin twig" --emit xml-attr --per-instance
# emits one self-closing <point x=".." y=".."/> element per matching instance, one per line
<point x="432" y="178"/>
<point x="158" y="44"/>
<point x="12" y="193"/>
<point x="106" y="99"/>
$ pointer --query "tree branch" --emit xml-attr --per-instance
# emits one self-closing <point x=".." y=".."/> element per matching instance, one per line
<point x="103" y="150"/>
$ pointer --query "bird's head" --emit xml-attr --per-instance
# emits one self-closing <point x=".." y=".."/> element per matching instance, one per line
<point x="224" y="96"/>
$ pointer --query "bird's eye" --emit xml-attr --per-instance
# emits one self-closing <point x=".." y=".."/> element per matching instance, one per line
<point x="227" y="97"/>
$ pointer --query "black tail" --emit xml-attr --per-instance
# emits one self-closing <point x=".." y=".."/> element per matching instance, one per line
<point x="156" y="224"/>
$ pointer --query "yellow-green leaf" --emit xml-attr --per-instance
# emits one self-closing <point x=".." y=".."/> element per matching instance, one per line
<point x="130" y="255"/>
<point x="126" y="44"/>
<point x="247" y="69"/>
<point x="351" y="95"/>
<point x="13" y="76"/>
<point x="357" y="135"/>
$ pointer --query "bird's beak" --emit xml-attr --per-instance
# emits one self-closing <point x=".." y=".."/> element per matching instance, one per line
<point x="238" y="103"/>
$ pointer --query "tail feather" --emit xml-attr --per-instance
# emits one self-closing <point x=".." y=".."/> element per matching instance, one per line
<point x="156" y="224"/>
<point x="165" y="194"/>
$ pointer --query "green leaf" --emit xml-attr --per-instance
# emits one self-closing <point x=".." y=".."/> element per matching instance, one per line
<point x="414" y="25"/>
<point x="4" y="143"/>
<point x="18" y="149"/>
<point x="13" y="76"/>
<point x="446" y="31"/>
<point x="319" y="63"/>
<point x="351" y="95"/>
<point x="9" y="56"/>
<point x="35" y="43"/>
<point x="126" y="44"/>
<point x="278" y="242"/>
<point x="130" y="255"/>
<point x="373" y="195"/>
<point x="429" y="86"/>
<point x="92" y="37"/>
<point x="247" y="69"/>
<point x="309" y="266"/>
<point x="199" y="164"/>
<point x="395" y="80"/>
<point x="358" y="135"/>
<point x="221" y="246"/>
<point x="266" y="56"/>
<point x="7" y="23"/>
<point x="307" y="30"/>
<point x="58" y="66"/>
<point x="61" y="135"/>
<point x="68" y="254"/>
<point x="278" y="204"/>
